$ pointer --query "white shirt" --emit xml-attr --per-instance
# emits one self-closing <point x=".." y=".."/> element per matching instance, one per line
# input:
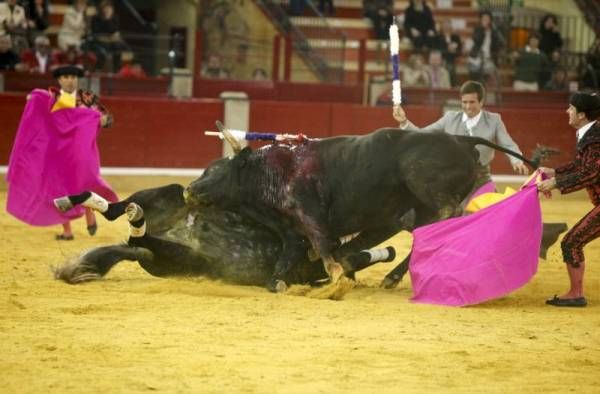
<point x="42" y="61"/>
<point x="470" y="123"/>
<point x="582" y="130"/>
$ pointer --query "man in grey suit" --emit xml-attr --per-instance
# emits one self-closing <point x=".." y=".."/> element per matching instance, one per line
<point x="474" y="121"/>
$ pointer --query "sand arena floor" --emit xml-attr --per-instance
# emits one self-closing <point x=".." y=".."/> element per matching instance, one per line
<point x="135" y="333"/>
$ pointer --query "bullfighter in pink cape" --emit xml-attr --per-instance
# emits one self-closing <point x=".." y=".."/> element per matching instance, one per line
<point x="55" y="153"/>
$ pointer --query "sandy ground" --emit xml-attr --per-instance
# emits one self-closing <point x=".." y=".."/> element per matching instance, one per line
<point x="135" y="333"/>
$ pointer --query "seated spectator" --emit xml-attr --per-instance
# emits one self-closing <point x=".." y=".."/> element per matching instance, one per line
<point x="419" y="25"/>
<point x="414" y="73"/>
<point x="74" y="56"/>
<point x="530" y="64"/>
<point x="130" y="69"/>
<point x="38" y="18"/>
<point x="212" y="68"/>
<point x="42" y="59"/>
<point x="484" y="53"/>
<point x="450" y="44"/>
<point x="106" y="37"/>
<point x="326" y="7"/>
<point x="8" y="58"/>
<point x="550" y="39"/>
<point x="74" y="26"/>
<point x="238" y="65"/>
<point x="591" y="74"/>
<point x="381" y="14"/>
<point x="13" y="21"/>
<point x="437" y="75"/>
<point x="259" y="74"/>
<point x="559" y="81"/>
<point x="297" y="7"/>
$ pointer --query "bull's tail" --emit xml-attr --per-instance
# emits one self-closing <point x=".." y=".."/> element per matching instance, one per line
<point x="534" y="162"/>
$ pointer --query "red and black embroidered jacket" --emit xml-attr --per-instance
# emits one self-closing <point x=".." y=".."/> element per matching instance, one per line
<point x="87" y="99"/>
<point x="584" y="171"/>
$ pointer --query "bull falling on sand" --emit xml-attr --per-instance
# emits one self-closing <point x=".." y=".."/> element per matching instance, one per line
<point x="253" y="218"/>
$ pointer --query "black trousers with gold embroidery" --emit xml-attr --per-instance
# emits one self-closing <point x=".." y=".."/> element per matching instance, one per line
<point x="582" y="233"/>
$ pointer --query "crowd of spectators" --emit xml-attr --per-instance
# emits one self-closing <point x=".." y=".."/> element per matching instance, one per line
<point x="89" y="40"/>
<point x="537" y="66"/>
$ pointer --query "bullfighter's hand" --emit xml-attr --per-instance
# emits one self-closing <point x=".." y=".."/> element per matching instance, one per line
<point x="547" y="171"/>
<point x="400" y="116"/>
<point x="546" y="185"/>
<point x="520" y="168"/>
<point x="106" y="121"/>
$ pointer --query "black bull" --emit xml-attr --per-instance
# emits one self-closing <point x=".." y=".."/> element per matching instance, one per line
<point x="184" y="241"/>
<point x="217" y="242"/>
<point x="326" y="189"/>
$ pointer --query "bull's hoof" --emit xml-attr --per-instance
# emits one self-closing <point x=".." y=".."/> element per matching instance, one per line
<point x="333" y="291"/>
<point x="281" y="287"/>
<point x="63" y="204"/>
<point x="134" y="212"/>
<point x="277" y="286"/>
<point x="336" y="272"/>
<point x="390" y="282"/>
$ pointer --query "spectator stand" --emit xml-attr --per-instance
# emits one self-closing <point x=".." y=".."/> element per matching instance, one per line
<point x="320" y="44"/>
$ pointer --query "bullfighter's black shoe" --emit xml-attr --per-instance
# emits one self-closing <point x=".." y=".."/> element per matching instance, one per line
<point x="92" y="228"/>
<point x="63" y="237"/>
<point x="567" y="302"/>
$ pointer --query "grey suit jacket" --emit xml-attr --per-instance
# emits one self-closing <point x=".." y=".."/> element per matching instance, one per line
<point x="490" y="127"/>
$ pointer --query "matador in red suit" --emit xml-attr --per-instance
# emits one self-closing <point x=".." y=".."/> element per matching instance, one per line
<point x="582" y="172"/>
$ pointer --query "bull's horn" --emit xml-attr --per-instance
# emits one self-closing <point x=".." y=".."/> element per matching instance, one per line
<point x="237" y="147"/>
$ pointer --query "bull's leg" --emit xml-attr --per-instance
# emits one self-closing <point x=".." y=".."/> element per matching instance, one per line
<point x="168" y="258"/>
<point x="311" y="215"/>
<point x="293" y="251"/>
<point x="160" y="199"/>
<point x="366" y="258"/>
<point x="423" y="216"/>
<point x="294" y="246"/>
<point x="367" y="239"/>
<point x="96" y="263"/>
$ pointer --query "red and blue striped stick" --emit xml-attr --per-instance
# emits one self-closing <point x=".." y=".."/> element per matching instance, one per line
<point x="252" y="136"/>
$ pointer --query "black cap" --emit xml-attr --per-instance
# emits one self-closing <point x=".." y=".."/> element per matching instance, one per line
<point x="588" y="103"/>
<point x="67" y="70"/>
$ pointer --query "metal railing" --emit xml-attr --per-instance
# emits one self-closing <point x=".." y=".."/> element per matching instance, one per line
<point x="148" y="52"/>
<point x="320" y="45"/>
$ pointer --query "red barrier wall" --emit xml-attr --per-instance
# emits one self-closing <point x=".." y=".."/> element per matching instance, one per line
<point x="529" y="127"/>
<point x="146" y="132"/>
<point x="169" y="133"/>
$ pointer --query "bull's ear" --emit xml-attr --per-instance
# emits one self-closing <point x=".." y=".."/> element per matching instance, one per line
<point x="242" y="157"/>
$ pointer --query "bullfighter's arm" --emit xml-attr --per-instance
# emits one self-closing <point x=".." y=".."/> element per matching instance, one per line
<point x="406" y="124"/>
<point x="565" y="168"/>
<point x="583" y="175"/>
<point x="91" y="100"/>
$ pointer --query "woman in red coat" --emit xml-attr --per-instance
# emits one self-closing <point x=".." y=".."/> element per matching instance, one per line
<point x="582" y="172"/>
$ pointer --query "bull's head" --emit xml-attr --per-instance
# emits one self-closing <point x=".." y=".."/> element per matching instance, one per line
<point x="221" y="182"/>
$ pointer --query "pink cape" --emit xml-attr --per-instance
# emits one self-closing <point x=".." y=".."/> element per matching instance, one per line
<point x="54" y="154"/>
<point x="472" y="259"/>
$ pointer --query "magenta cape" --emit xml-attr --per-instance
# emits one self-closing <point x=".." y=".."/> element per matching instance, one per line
<point x="472" y="259"/>
<point x="54" y="154"/>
